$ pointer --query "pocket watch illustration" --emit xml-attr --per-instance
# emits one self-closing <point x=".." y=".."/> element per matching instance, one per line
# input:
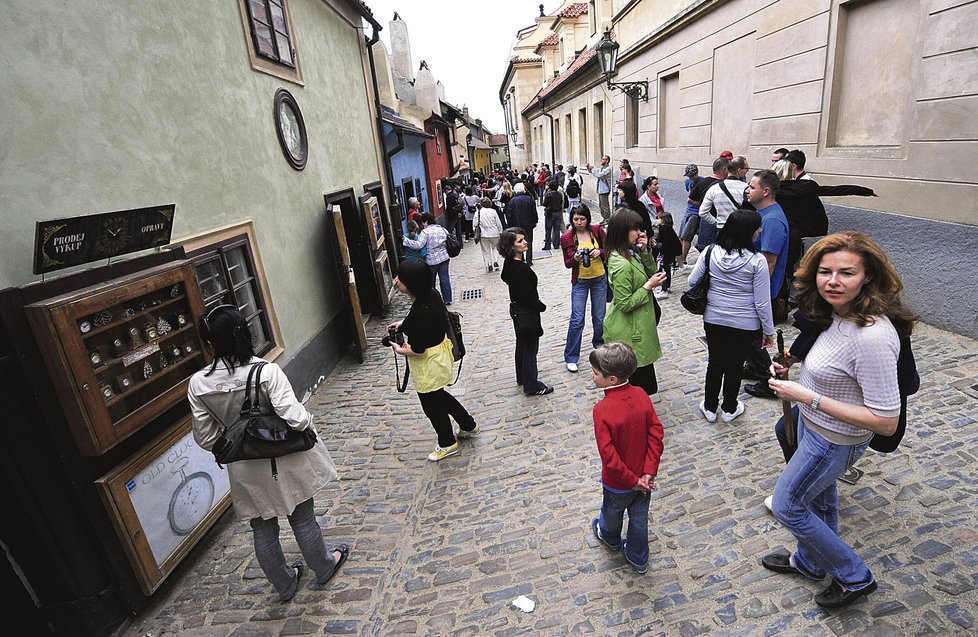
<point x="191" y="501"/>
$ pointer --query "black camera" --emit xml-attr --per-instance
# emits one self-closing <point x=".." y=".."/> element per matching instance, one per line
<point x="585" y="257"/>
<point x="393" y="335"/>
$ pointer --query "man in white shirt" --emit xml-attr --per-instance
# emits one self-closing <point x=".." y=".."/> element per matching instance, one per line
<point x="725" y="196"/>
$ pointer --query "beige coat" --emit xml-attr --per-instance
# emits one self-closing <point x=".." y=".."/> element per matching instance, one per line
<point x="215" y="401"/>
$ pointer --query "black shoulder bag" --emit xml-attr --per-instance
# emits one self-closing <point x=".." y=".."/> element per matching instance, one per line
<point x="259" y="432"/>
<point x="694" y="299"/>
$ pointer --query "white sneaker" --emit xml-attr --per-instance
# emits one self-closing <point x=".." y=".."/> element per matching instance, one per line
<point x="730" y="417"/>
<point x="711" y="416"/>
<point x="661" y="294"/>
<point x="683" y="269"/>
<point x="572" y="367"/>
<point x="769" y="503"/>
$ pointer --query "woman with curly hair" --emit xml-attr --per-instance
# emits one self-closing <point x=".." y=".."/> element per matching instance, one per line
<point x="847" y="392"/>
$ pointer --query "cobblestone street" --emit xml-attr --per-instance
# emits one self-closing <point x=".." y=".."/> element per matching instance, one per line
<point x="444" y="548"/>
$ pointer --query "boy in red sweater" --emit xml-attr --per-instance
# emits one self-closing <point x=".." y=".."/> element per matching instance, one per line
<point x="629" y="437"/>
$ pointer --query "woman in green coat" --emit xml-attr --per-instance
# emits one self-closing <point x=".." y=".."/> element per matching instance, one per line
<point x="631" y="316"/>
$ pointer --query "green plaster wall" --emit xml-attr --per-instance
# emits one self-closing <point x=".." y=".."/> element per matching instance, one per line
<point x="115" y="105"/>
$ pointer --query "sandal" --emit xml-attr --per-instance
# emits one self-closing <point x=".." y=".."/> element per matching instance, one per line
<point x="299" y="570"/>
<point x="344" y="551"/>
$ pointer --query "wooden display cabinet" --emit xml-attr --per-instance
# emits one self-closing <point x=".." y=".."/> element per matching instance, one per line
<point x="120" y="353"/>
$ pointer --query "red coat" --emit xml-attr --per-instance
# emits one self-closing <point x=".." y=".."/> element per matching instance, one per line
<point x="629" y="436"/>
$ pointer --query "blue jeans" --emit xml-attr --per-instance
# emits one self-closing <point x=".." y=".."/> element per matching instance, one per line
<point x="597" y="288"/>
<point x="613" y="507"/>
<point x="444" y="281"/>
<point x="572" y="202"/>
<point x="806" y="503"/>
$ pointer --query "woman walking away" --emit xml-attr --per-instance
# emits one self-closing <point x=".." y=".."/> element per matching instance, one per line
<point x="433" y="238"/>
<point x="631" y="316"/>
<point x="553" y="209"/>
<point x="216" y="394"/>
<point x="470" y="201"/>
<point x="847" y="392"/>
<point x="429" y="356"/>
<point x="583" y="248"/>
<point x="489" y="229"/>
<point x="738" y="310"/>
<point x="525" y="307"/>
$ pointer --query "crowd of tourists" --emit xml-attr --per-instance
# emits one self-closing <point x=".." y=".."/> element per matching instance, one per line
<point x="749" y="228"/>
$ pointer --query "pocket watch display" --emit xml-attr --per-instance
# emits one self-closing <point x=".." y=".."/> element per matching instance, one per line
<point x="175" y="353"/>
<point x="106" y="389"/>
<point x="181" y="320"/>
<point x="123" y="382"/>
<point x="149" y="331"/>
<point x="188" y="348"/>
<point x="85" y="327"/>
<point x="135" y="339"/>
<point x="118" y="347"/>
<point x="96" y="357"/>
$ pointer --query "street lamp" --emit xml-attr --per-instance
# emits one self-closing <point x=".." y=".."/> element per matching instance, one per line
<point x="608" y="57"/>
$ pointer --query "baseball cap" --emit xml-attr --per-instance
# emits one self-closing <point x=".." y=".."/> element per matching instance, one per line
<point x="691" y="170"/>
<point x="726" y="154"/>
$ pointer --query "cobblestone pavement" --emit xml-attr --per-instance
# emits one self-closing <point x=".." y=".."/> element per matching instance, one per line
<point x="443" y="549"/>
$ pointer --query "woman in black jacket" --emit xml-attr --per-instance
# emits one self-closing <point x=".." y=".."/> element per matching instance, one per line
<point x="525" y="308"/>
<point x="628" y="198"/>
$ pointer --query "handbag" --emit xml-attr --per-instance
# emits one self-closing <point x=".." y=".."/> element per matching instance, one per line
<point x="694" y="299"/>
<point x="259" y="432"/>
<point x="478" y="226"/>
<point x="526" y="322"/>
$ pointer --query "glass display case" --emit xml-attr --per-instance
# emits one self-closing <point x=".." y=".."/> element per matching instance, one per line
<point x="120" y="352"/>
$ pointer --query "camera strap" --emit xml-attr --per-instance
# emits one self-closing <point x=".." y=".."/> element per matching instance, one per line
<point x="401" y="387"/>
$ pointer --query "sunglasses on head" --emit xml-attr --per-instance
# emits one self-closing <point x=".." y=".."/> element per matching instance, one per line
<point x="207" y="323"/>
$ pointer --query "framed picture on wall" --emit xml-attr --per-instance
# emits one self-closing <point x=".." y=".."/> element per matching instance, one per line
<point x="163" y="500"/>
<point x="440" y="196"/>
<point x="385" y="277"/>
<point x="375" y="231"/>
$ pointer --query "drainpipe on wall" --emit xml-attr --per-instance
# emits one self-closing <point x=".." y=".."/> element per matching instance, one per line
<point x="553" y="145"/>
<point x="393" y="233"/>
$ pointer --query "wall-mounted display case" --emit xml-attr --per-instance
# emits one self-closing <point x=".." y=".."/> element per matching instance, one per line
<point x="120" y="352"/>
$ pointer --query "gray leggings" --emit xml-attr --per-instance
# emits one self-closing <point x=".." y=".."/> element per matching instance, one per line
<point x="308" y="535"/>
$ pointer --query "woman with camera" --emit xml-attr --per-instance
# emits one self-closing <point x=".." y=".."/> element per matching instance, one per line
<point x="583" y="248"/>
<point x="525" y="308"/>
<point x="848" y="391"/>
<point x="429" y="357"/>
<point x="631" y="319"/>
<point x="738" y="310"/>
<point x="216" y="394"/>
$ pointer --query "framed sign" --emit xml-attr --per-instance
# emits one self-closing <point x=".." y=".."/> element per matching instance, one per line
<point x="384" y="276"/>
<point x="375" y="231"/>
<point x="63" y="243"/>
<point x="163" y="500"/>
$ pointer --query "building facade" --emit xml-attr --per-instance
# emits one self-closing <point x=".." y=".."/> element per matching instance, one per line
<point x="751" y="77"/>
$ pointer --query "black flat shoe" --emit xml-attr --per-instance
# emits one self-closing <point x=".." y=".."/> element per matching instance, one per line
<point x="779" y="563"/>
<point x="344" y="551"/>
<point x="837" y="597"/>
<point x="299" y="568"/>
<point x="760" y="391"/>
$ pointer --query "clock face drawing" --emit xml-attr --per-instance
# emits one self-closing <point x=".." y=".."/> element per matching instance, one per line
<point x="114" y="235"/>
<point x="291" y="129"/>
<point x="191" y="501"/>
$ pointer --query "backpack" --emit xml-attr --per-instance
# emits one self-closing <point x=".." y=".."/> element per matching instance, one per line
<point x="573" y="187"/>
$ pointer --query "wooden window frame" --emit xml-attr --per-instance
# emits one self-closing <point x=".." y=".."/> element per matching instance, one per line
<point x="281" y="70"/>
<point x="202" y="247"/>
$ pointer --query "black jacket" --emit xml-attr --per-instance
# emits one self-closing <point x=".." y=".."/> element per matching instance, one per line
<point x="523" y="211"/>
<point x="522" y="282"/>
<point x="804" y="210"/>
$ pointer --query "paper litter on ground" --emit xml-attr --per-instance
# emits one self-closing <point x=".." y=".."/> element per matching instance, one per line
<point x="524" y="603"/>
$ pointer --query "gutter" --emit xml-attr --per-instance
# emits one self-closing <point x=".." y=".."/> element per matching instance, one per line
<point x="393" y="241"/>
